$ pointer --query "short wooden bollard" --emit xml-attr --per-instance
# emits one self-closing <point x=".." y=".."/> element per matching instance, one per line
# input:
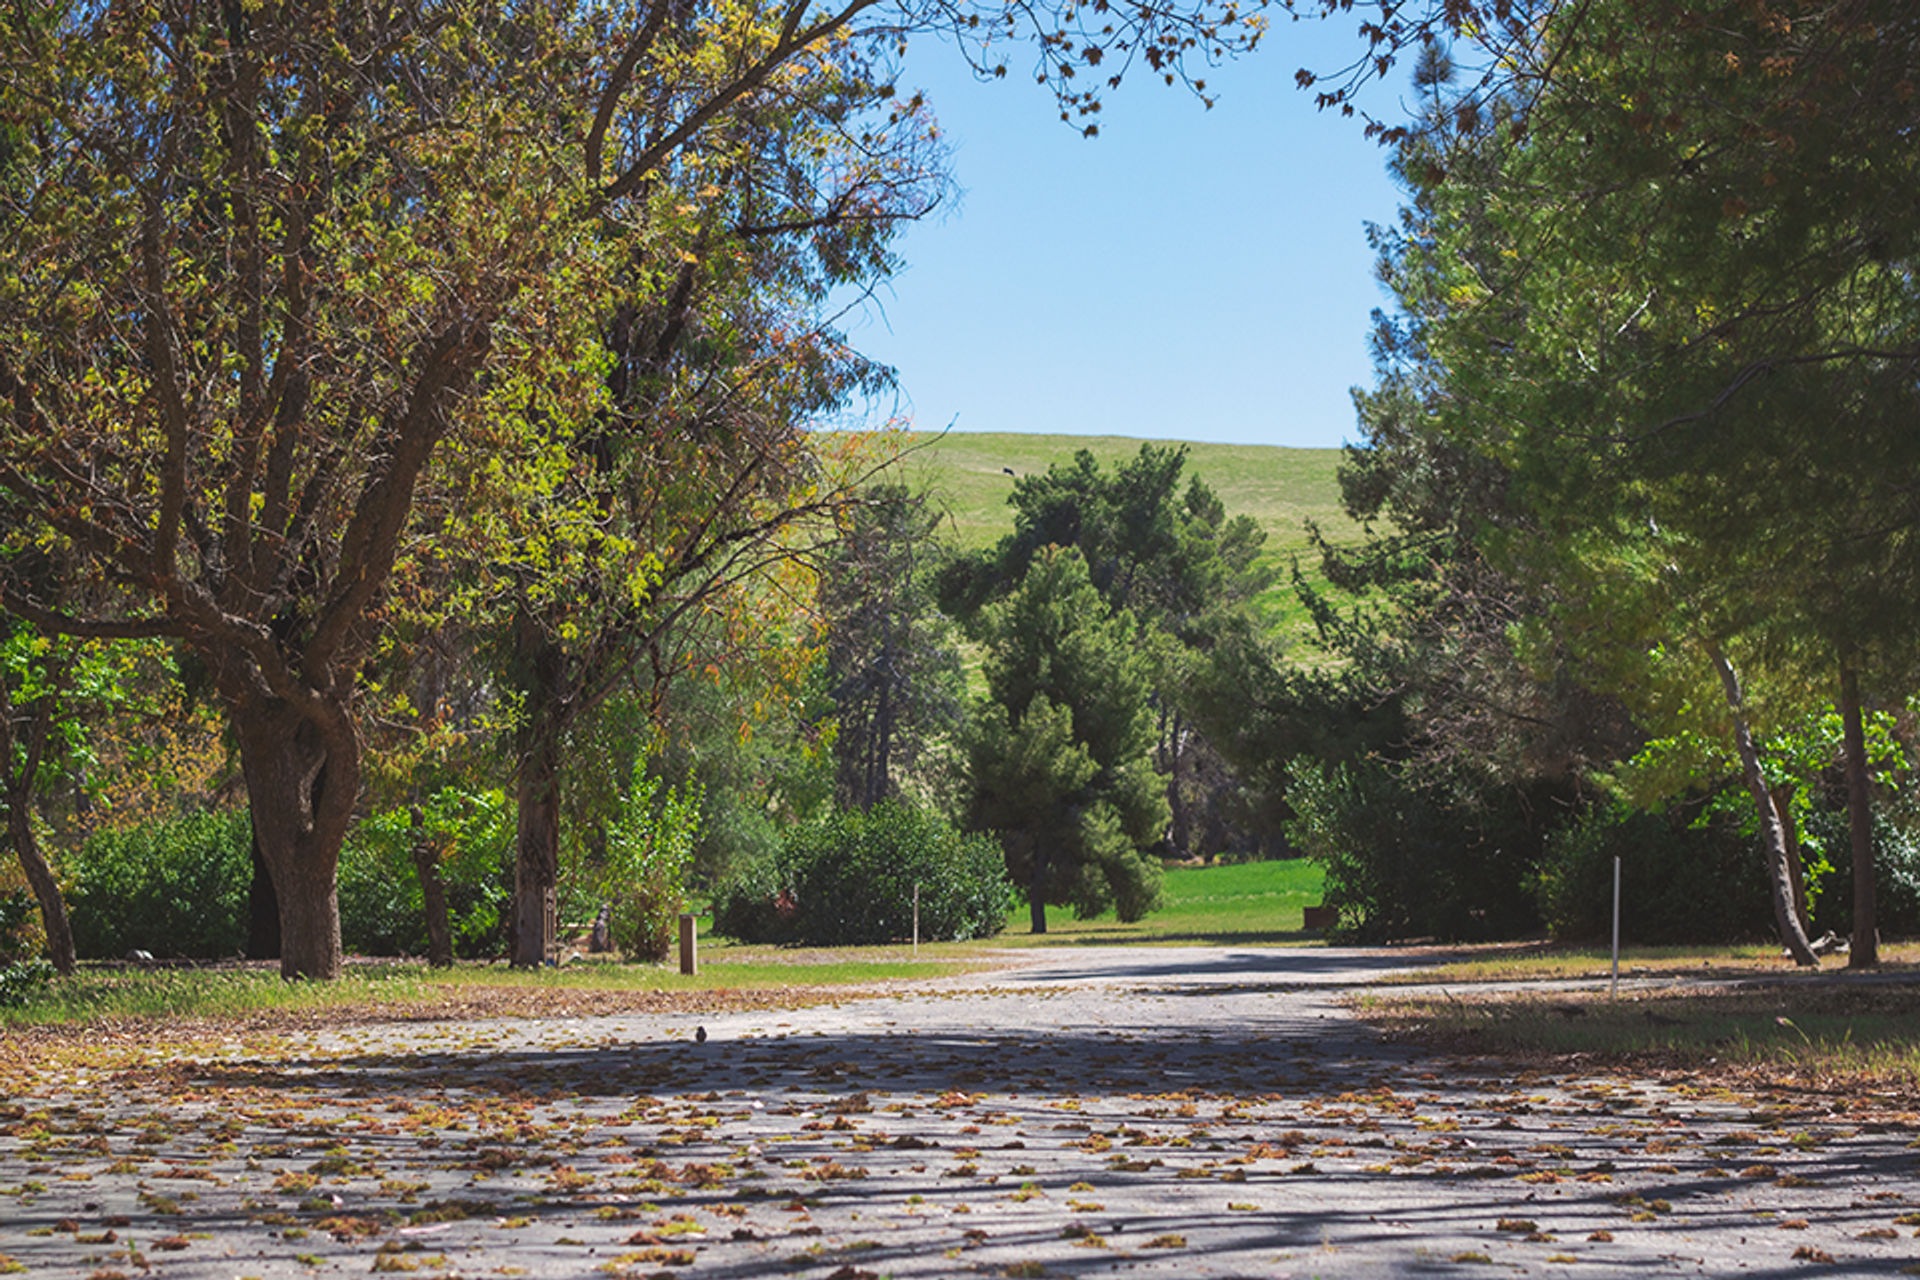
<point x="689" y="962"/>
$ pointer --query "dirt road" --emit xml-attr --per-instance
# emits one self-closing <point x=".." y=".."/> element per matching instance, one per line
<point x="1163" y="1111"/>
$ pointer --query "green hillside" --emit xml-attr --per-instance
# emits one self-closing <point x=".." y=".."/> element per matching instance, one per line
<point x="1281" y="488"/>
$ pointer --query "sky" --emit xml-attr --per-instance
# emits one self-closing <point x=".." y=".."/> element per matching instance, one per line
<point x="1189" y="274"/>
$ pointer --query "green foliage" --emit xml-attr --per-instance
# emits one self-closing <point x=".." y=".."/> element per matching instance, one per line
<point x="16" y="914"/>
<point x="1060" y="751"/>
<point x="1896" y="864"/>
<point x="850" y="879"/>
<point x="470" y="835"/>
<point x="892" y="659"/>
<point x="649" y="847"/>
<point x="1685" y="876"/>
<point x="20" y="974"/>
<point x="173" y="888"/>
<point x="1402" y="861"/>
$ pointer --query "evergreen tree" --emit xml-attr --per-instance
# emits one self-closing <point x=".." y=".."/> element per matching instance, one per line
<point x="893" y="668"/>
<point x="1060" y="752"/>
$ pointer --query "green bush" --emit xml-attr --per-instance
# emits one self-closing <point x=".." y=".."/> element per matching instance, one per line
<point x="1684" y="878"/>
<point x="382" y="909"/>
<point x="20" y="974"/>
<point x="648" y="850"/>
<point x="1402" y="862"/>
<point x="850" y="880"/>
<point x="174" y="888"/>
<point x="1896" y="864"/>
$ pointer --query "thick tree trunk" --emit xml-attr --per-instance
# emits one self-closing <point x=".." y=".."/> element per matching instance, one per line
<point x="263" y="909"/>
<point x="536" y="877"/>
<point x="1772" y="837"/>
<point x="302" y="781"/>
<point x="1865" y="950"/>
<point x="433" y="896"/>
<point x="40" y="878"/>
<point x="545" y="685"/>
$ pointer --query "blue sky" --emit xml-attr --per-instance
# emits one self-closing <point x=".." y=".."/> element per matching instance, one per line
<point x="1189" y="274"/>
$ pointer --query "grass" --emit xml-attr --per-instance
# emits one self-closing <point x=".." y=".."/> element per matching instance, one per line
<point x="1239" y="905"/>
<point x="1740" y="1017"/>
<point x="1280" y="488"/>
<point x="740" y="977"/>
<point x="1523" y="962"/>
<point x="1253" y="903"/>
<point x="1850" y="1036"/>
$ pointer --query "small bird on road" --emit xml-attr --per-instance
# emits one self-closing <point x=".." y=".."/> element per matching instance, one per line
<point x="699" y="1035"/>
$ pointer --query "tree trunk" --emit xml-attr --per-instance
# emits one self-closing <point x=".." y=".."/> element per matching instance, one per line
<point x="263" y="909"/>
<point x="1037" y="890"/>
<point x="19" y="802"/>
<point x="536" y="861"/>
<point x="303" y="777"/>
<point x="40" y="878"/>
<point x="541" y="671"/>
<point x="1865" y="950"/>
<point x="1782" y="797"/>
<point x="1772" y="837"/>
<point x="1181" y="827"/>
<point x="433" y="895"/>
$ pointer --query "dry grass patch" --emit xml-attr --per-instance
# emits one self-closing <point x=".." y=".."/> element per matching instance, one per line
<point x="1850" y="1038"/>
<point x="1539" y="961"/>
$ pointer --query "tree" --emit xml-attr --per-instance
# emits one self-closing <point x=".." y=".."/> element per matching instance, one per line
<point x="239" y="319"/>
<point x="1643" y="274"/>
<point x="263" y="264"/>
<point x="893" y="669"/>
<point x="35" y="677"/>
<point x="1060" y="755"/>
<point x="1167" y="553"/>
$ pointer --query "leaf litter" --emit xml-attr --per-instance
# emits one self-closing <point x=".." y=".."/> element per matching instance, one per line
<point x="1026" y="1131"/>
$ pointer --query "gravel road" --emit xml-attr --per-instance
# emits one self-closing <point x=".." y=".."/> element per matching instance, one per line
<point x="1178" y="1111"/>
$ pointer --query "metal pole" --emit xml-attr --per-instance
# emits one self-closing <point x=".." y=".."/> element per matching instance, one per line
<point x="1613" y="992"/>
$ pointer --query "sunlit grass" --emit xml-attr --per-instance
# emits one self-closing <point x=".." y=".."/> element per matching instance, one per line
<point x="1246" y="903"/>
<point x="115" y="994"/>
<point x="1251" y="903"/>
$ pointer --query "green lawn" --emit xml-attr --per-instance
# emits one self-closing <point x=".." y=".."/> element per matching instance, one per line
<point x="1250" y="902"/>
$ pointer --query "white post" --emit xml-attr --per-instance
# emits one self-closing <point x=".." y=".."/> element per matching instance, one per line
<point x="1613" y="993"/>
<point x="916" y="922"/>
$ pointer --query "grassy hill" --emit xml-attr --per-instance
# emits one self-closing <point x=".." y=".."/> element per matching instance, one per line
<point x="1280" y="488"/>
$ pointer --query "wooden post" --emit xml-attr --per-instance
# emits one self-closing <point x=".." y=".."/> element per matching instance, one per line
<point x="689" y="962"/>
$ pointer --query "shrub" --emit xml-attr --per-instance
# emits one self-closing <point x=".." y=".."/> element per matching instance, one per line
<point x="1684" y="879"/>
<point x="177" y="887"/>
<point x="20" y="974"/>
<point x="1896" y="864"/>
<point x="1403" y="862"/>
<point x="754" y="905"/>
<point x="382" y="908"/>
<point x="850" y="880"/>
<point x="648" y="850"/>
